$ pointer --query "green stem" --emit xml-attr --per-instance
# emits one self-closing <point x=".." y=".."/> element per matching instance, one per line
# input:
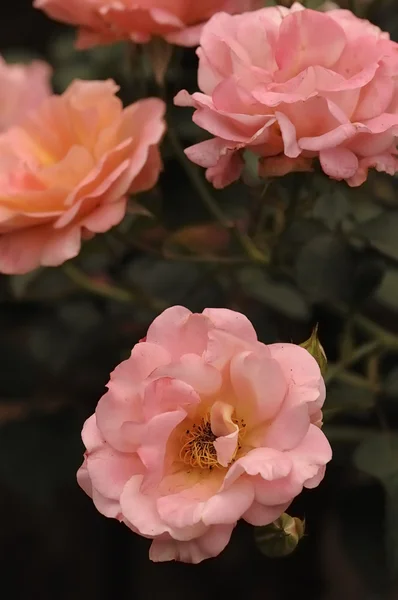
<point x="386" y="339"/>
<point x="110" y="291"/>
<point x="357" y="355"/>
<point x="200" y="186"/>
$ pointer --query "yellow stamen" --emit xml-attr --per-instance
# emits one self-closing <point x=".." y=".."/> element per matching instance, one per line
<point x="198" y="448"/>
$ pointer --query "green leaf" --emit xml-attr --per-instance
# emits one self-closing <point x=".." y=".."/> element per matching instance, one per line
<point x="250" y="174"/>
<point x="381" y="233"/>
<point x="378" y="456"/>
<point x="324" y="268"/>
<point x="387" y="293"/>
<point x="281" y="296"/>
<point x="344" y="396"/>
<point x="332" y="208"/>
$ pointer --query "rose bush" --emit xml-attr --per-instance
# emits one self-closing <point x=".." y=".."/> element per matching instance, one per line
<point x="201" y="426"/>
<point x="291" y="85"/>
<point x="105" y="21"/>
<point x="65" y="172"/>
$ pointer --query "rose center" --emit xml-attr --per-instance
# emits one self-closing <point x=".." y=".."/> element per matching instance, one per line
<point x="198" y="448"/>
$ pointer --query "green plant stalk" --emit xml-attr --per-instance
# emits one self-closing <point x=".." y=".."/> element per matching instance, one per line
<point x="386" y="339"/>
<point x="111" y="291"/>
<point x="200" y="186"/>
<point x="357" y="355"/>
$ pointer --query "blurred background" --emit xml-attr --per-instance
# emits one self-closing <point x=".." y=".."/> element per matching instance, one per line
<point x="335" y="262"/>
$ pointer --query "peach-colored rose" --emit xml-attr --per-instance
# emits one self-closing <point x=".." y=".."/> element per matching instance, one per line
<point x="66" y="171"/>
<point x="22" y="88"/>
<point x="105" y="21"/>
<point x="204" y="425"/>
<point x="296" y="84"/>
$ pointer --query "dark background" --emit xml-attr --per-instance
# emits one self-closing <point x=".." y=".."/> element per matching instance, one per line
<point x="55" y="358"/>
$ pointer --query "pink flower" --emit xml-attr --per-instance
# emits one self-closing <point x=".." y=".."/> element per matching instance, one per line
<point x="22" y="88"/>
<point x="204" y="425"/>
<point x="292" y="85"/>
<point x="105" y="21"/>
<point x="66" y="170"/>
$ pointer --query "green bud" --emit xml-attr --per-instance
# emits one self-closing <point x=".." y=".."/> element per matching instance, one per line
<point x="314" y="347"/>
<point x="281" y="537"/>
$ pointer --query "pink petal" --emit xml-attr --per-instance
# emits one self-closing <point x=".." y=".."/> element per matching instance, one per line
<point x="153" y="436"/>
<point x="91" y="435"/>
<point x="109" y="470"/>
<point x="122" y="403"/>
<point x="188" y="37"/>
<point x="106" y="216"/>
<point x="338" y="163"/>
<point x="226" y="430"/>
<point x="61" y="246"/>
<point x="259" y="382"/>
<point x="301" y="372"/>
<point x="260" y="515"/>
<point x="20" y="251"/>
<point x="276" y="492"/>
<point x="207" y="154"/>
<point x="83" y="479"/>
<point x="306" y="38"/>
<point x="149" y="174"/>
<point x="210" y="544"/>
<point x="222" y="346"/>
<point x="232" y="322"/>
<point x="226" y="171"/>
<point x="268" y="463"/>
<point x="106" y="506"/>
<point x="289" y="135"/>
<point x="381" y="162"/>
<point x="228" y="506"/>
<point x="194" y="371"/>
<point x="166" y="394"/>
<point x="311" y="455"/>
<point x="140" y="509"/>
<point x="287" y="429"/>
<point x="189" y="507"/>
<point x="144" y="359"/>
<point x="179" y="331"/>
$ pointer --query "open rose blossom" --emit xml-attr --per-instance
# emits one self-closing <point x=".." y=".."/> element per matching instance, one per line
<point x="291" y="85"/>
<point x="66" y="170"/>
<point x="105" y="21"/>
<point x="204" y="425"/>
<point x="22" y="88"/>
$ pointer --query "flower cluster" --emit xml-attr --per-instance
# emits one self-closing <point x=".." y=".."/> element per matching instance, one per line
<point x="203" y="424"/>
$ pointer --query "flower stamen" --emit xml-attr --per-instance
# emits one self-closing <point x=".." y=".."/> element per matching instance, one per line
<point x="198" y="448"/>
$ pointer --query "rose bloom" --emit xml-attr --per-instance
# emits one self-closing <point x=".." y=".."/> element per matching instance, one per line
<point x="291" y="85"/>
<point x="65" y="172"/>
<point x="22" y="88"/>
<point x="201" y="426"/>
<point x="105" y="21"/>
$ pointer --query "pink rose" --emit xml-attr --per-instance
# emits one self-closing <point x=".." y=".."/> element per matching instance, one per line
<point x="22" y="88"/>
<point x="105" y="21"/>
<point x="66" y="170"/>
<point x="204" y="425"/>
<point x="291" y="85"/>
